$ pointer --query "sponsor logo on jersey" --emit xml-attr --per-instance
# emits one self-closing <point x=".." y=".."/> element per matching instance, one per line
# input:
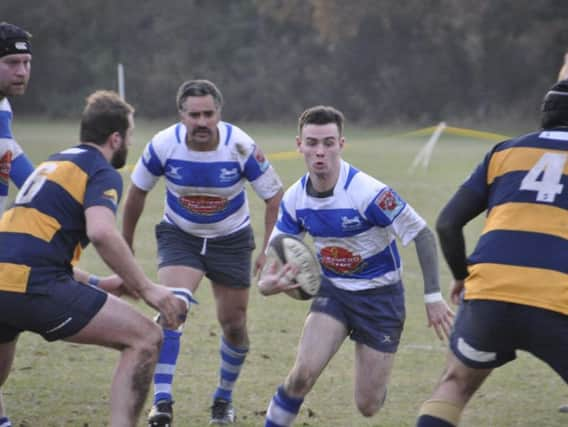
<point x="390" y="203"/>
<point x="228" y="175"/>
<point x="261" y="159"/>
<point x="351" y="223"/>
<point x="173" y="172"/>
<point x="340" y="260"/>
<point x="111" y="195"/>
<point x="5" y="166"/>
<point x="203" y="204"/>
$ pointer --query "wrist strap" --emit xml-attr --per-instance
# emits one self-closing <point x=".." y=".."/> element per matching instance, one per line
<point x="433" y="297"/>
<point x="93" y="280"/>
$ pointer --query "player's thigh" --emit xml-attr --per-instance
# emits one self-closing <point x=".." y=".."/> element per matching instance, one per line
<point x="372" y="371"/>
<point x="459" y="382"/>
<point x="118" y="325"/>
<point x="180" y="276"/>
<point x="228" y="260"/>
<point x="180" y="260"/>
<point x="545" y="337"/>
<point x="483" y="336"/>
<point x="374" y="317"/>
<point x="321" y="338"/>
<point x="57" y="308"/>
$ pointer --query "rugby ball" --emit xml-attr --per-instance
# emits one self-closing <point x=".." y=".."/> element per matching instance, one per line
<point x="290" y="249"/>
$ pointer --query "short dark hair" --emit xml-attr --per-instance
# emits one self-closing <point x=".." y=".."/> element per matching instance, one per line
<point x="105" y="112"/>
<point x="198" y="88"/>
<point x="555" y="106"/>
<point x="321" y="115"/>
<point x="14" y="40"/>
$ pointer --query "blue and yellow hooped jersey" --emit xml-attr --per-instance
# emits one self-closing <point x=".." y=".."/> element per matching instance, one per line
<point x="42" y="233"/>
<point x="522" y="254"/>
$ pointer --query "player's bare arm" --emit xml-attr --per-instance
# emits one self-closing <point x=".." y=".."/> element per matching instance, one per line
<point x="115" y="252"/>
<point x="270" y="217"/>
<point x="113" y="284"/>
<point x="133" y="207"/>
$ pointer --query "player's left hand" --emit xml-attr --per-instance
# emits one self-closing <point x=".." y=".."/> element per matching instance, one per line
<point x="276" y="278"/>
<point x="441" y="317"/>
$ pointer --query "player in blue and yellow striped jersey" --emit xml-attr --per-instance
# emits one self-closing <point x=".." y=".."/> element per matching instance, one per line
<point x="514" y="285"/>
<point x="69" y="201"/>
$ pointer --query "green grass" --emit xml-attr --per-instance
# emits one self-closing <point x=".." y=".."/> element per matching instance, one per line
<point x="64" y="384"/>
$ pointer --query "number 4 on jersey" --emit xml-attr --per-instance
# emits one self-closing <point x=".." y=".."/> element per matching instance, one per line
<point x="545" y="176"/>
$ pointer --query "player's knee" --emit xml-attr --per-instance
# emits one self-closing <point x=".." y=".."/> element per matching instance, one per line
<point x="370" y="408"/>
<point x="151" y="341"/>
<point x="370" y="405"/>
<point x="235" y="330"/>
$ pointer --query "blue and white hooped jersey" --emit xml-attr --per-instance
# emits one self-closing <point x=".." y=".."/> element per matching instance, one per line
<point x="354" y="229"/>
<point x="14" y="164"/>
<point x="205" y="190"/>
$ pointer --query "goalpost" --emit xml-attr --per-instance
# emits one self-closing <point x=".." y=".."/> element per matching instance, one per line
<point x="120" y="71"/>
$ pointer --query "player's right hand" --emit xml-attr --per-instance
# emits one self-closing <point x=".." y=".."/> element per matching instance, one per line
<point x="173" y="310"/>
<point x="456" y="291"/>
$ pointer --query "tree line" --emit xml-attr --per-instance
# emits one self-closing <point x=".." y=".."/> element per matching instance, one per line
<point x="380" y="61"/>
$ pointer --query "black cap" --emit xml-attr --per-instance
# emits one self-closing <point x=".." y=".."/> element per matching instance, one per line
<point x="555" y="106"/>
<point x="556" y="99"/>
<point x="14" y="40"/>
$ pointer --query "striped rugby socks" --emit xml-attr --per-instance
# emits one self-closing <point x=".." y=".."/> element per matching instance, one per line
<point x="232" y="360"/>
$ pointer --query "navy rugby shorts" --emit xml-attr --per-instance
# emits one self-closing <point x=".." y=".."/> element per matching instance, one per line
<point x="374" y="317"/>
<point x="60" y="310"/>
<point x="487" y="334"/>
<point x="225" y="260"/>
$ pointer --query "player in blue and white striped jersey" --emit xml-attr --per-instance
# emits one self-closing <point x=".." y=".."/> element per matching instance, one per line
<point x="205" y="229"/>
<point x="15" y="166"/>
<point x="354" y="220"/>
<point x="205" y="190"/>
<point x="354" y="231"/>
<point x="15" y="68"/>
